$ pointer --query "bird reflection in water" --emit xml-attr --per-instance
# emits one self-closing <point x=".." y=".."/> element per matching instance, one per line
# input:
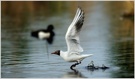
<point x="74" y="74"/>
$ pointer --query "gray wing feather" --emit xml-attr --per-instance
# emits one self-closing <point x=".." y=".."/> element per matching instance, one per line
<point x="72" y="35"/>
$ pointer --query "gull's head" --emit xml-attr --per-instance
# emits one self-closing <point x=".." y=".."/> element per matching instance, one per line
<point x="57" y="52"/>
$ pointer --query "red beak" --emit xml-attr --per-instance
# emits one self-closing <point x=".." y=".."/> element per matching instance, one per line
<point x="53" y="53"/>
<point x="56" y="52"/>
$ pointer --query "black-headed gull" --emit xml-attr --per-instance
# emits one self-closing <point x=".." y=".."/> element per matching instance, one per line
<point x="47" y="34"/>
<point x="72" y="39"/>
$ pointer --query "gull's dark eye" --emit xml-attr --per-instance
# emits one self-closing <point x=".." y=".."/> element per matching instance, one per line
<point x="58" y="52"/>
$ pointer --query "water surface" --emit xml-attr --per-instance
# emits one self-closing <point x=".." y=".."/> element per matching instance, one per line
<point x="104" y="34"/>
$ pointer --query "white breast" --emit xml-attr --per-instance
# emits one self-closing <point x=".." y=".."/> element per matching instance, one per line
<point x="43" y="35"/>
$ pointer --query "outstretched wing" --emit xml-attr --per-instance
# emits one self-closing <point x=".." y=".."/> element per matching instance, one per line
<point x="72" y="35"/>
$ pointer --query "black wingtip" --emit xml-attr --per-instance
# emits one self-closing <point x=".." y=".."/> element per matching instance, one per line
<point x="80" y="22"/>
<point x="79" y="7"/>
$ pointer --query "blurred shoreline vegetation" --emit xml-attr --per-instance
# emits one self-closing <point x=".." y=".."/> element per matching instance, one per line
<point x="18" y="12"/>
<point x="17" y="8"/>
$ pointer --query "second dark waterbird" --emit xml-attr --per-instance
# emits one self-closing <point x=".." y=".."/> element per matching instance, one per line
<point x="45" y="34"/>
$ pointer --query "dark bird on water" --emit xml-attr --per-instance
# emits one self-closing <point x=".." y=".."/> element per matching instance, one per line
<point x="44" y="34"/>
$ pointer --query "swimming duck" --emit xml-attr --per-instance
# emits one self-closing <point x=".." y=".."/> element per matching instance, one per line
<point x="44" y="34"/>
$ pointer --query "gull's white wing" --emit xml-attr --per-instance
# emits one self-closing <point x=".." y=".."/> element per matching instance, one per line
<point x="72" y="35"/>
